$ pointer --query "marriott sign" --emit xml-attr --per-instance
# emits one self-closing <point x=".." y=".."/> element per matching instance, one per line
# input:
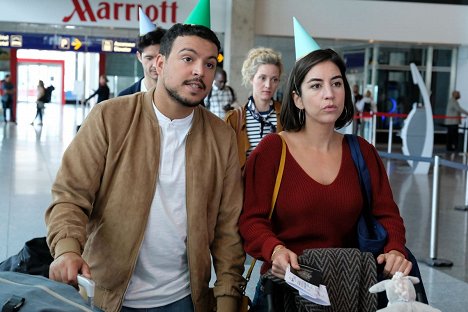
<point x="114" y="14"/>
<point x="165" y="12"/>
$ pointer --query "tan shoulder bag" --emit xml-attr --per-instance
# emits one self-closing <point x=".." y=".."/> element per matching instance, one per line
<point x="246" y="302"/>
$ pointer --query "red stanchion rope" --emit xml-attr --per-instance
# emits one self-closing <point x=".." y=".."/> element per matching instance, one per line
<point x="369" y="115"/>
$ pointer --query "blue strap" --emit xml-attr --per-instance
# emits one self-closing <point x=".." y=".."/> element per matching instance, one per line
<point x="363" y="172"/>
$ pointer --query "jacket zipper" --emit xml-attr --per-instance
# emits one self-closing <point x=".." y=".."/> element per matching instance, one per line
<point x="142" y="235"/>
<point x="186" y="211"/>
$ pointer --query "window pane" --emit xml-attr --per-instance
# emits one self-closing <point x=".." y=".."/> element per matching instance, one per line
<point x="440" y="95"/>
<point x="397" y="93"/>
<point x="442" y="57"/>
<point x="400" y="56"/>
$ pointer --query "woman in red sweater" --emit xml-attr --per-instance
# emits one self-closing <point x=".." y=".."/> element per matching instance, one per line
<point x="320" y="198"/>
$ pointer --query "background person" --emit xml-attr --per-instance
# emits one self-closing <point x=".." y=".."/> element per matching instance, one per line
<point x="126" y="207"/>
<point x="453" y="110"/>
<point x="320" y="182"/>
<point x="356" y="98"/>
<point x="262" y="70"/>
<point x="221" y="98"/>
<point x="148" y="46"/>
<point x="8" y="90"/>
<point x="366" y="107"/>
<point x="40" y="102"/>
<point x="102" y="91"/>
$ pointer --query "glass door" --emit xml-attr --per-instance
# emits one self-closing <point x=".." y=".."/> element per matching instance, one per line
<point x="29" y="74"/>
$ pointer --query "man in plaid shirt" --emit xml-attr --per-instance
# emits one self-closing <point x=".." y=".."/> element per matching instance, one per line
<point x="221" y="97"/>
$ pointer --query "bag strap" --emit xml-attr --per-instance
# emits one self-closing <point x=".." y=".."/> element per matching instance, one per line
<point x="232" y="93"/>
<point x="363" y="172"/>
<point x="279" y="176"/>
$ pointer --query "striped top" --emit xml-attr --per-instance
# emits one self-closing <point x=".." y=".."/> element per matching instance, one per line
<point x="259" y="124"/>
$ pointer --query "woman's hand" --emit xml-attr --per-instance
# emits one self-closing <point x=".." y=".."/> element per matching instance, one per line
<point x="394" y="262"/>
<point x="280" y="258"/>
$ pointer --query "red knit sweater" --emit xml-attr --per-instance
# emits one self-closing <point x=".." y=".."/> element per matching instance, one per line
<point x="307" y="213"/>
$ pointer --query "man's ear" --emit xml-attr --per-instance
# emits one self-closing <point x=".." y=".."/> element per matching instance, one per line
<point x="139" y="56"/>
<point x="160" y="60"/>
<point x="297" y="100"/>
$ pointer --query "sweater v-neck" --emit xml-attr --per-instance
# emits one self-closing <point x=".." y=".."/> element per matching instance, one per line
<point x="311" y="179"/>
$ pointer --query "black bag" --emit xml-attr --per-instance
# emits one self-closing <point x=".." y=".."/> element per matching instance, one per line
<point x="48" y="94"/>
<point x="34" y="258"/>
<point x="346" y="272"/>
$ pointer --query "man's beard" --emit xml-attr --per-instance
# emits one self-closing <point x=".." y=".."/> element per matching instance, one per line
<point x="181" y="100"/>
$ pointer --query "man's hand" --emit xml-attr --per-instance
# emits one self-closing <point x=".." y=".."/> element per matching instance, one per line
<point x="66" y="268"/>
<point x="394" y="262"/>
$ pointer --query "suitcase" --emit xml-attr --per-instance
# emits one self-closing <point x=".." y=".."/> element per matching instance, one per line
<point x="33" y="293"/>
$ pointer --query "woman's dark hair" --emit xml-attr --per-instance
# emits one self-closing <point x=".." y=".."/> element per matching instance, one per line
<point x="289" y="116"/>
<point x="151" y="38"/>
<point x="182" y="30"/>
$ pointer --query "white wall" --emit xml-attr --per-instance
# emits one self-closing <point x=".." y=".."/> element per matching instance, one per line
<point x="366" y="20"/>
<point x="461" y="83"/>
<point x="338" y="19"/>
<point x="108" y="13"/>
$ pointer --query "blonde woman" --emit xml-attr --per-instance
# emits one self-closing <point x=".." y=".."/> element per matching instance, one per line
<point x="259" y="116"/>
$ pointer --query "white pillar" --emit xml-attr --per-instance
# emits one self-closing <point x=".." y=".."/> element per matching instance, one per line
<point x="238" y="40"/>
<point x="429" y="60"/>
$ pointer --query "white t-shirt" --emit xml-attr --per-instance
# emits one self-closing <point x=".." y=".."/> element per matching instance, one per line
<point x="143" y="86"/>
<point x="161" y="274"/>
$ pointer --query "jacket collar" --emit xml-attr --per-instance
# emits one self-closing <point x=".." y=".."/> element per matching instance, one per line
<point x="149" y="111"/>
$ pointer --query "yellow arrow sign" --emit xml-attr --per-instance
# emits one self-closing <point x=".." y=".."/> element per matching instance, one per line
<point x="76" y="43"/>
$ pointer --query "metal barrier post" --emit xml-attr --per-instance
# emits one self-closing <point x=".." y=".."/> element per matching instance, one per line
<point x="433" y="261"/>
<point x="464" y="208"/>
<point x="435" y="198"/>
<point x="465" y="136"/>
<point x="374" y="128"/>
<point x="390" y="135"/>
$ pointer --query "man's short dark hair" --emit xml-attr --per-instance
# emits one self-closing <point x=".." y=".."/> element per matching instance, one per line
<point x="151" y="38"/>
<point x="220" y="70"/>
<point x="289" y="115"/>
<point x="182" y="30"/>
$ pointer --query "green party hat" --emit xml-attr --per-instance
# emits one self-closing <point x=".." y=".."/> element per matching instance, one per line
<point x="200" y="14"/>
<point x="304" y="43"/>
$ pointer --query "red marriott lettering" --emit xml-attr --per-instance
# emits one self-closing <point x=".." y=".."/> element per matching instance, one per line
<point x="165" y="13"/>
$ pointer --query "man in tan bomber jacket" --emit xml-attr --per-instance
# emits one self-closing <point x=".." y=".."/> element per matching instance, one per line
<point x="150" y="190"/>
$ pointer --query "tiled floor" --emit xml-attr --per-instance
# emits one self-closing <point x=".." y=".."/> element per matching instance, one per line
<point x="30" y="156"/>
